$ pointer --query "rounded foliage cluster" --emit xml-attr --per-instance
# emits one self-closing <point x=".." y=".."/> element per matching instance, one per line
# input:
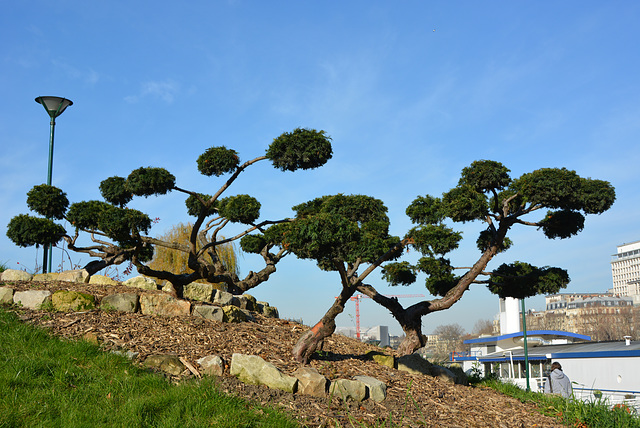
<point x="486" y="239"/>
<point x="562" y="224"/>
<point x="115" y="191"/>
<point x="484" y="175"/>
<point x="85" y="215"/>
<point x="197" y="204"/>
<point x="340" y="228"/>
<point x="464" y="203"/>
<point x="559" y="188"/>
<point x="440" y="277"/>
<point x="217" y="161"/>
<point x="253" y="243"/>
<point x="48" y="201"/>
<point x="150" y="181"/>
<point x="425" y="210"/>
<point x="25" y="231"/>
<point x="520" y="280"/>
<point x="239" y="209"/>
<point x="434" y="239"/>
<point x="300" y="149"/>
<point x="399" y="273"/>
<point x="123" y="224"/>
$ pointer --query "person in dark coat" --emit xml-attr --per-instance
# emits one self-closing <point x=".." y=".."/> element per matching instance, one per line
<point x="558" y="382"/>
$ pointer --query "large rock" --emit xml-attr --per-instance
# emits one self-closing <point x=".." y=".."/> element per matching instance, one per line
<point x="164" y="305"/>
<point x="234" y="314"/>
<point x="214" y="313"/>
<point x="254" y="370"/>
<point x="211" y="365"/>
<point x="381" y="358"/>
<point x="198" y="291"/>
<point x="310" y="382"/>
<point x="6" y="295"/>
<point x="32" y="299"/>
<point x="123" y="302"/>
<point x="44" y="277"/>
<point x="72" y="301"/>
<point x="377" y="389"/>
<point x="78" y="275"/>
<point x="15" y="275"/>
<point x="415" y="364"/>
<point x="268" y="311"/>
<point x="141" y="282"/>
<point x="223" y="298"/>
<point x="247" y="301"/>
<point x="348" y="389"/>
<point x="167" y="363"/>
<point x="102" y="280"/>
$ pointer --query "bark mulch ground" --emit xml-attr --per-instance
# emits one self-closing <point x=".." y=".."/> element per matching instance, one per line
<point x="412" y="400"/>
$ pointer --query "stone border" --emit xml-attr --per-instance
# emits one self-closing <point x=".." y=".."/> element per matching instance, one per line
<point x="215" y="305"/>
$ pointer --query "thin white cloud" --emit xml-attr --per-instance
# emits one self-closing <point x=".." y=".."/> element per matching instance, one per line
<point x="88" y="76"/>
<point x="164" y="90"/>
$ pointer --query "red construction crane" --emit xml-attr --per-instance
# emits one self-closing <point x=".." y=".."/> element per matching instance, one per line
<point x="357" y="298"/>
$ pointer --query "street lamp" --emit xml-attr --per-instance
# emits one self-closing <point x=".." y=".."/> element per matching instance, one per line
<point x="54" y="107"/>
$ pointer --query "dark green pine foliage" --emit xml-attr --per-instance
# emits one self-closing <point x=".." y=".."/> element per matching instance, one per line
<point x="120" y="233"/>
<point x="485" y="193"/>
<point x="334" y="229"/>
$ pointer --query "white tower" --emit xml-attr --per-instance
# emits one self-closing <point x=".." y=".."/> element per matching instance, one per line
<point x="509" y="315"/>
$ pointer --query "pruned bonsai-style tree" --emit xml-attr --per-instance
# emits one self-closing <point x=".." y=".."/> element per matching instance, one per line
<point x="119" y="234"/>
<point x="553" y="200"/>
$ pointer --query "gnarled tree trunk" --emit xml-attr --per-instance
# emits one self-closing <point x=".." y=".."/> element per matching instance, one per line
<point x="312" y="340"/>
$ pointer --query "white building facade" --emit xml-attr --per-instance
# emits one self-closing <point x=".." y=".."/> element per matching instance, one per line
<point x="625" y="270"/>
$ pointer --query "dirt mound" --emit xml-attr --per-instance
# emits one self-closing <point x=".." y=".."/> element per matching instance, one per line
<point x="412" y="400"/>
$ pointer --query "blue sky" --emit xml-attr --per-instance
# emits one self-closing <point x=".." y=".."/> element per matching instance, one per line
<point x="410" y="92"/>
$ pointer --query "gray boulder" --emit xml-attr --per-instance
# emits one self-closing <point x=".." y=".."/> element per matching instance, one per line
<point x="164" y="305"/>
<point x="267" y="310"/>
<point x="44" y="277"/>
<point x="123" y="302"/>
<point x="415" y="364"/>
<point x="199" y="291"/>
<point x="223" y="298"/>
<point x="310" y="382"/>
<point x="141" y="282"/>
<point x="348" y="389"/>
<point x="254" y="370"/>
<point x="247" y="301"/>
<point x="72" y="301"/>
<point x="102" y="280"/>
<point x="214" y="313"/>
<point x="166" y="363"/>
<point x="377" y="389"/>
<point x="381" y="358"/>
<point x="211" y="365"/>
<point x="6" y="295"/>
<point x="15" y="275"/>
<point x="78" y="275"/>
<point x="31" y="299"/>
<point x="233" y="314"/>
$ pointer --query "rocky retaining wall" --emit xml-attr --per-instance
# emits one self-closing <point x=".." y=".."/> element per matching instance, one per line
<point x="215" y="305"/>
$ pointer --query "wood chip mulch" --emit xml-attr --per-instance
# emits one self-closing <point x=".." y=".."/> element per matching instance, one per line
<point x="412" y="400"/>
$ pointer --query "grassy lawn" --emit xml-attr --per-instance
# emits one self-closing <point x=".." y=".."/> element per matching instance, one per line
<point x="49" y="382"/>
<point x="573" y="413"/>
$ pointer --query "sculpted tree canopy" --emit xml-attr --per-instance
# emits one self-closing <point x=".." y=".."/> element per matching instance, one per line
<point x="120" y="234"/>
<point x="553" y="200"/>
<point x="346" y="234"/>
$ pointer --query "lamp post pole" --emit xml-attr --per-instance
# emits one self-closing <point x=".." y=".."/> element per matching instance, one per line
<point x="526" y="350"/>
<point x="54" y="107"/>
